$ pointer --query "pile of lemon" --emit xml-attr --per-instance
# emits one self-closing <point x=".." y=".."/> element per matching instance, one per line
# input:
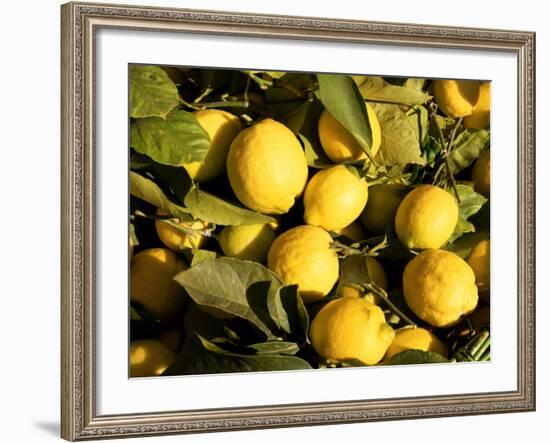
<point x="267" y="170"/>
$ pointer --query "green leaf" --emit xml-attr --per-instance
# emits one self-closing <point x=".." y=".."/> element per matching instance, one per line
<point x="241" y="288"/>
<point x="295" y="319"/>
<point x="416" y="357"/>
<point x="152" y="93"/>
<point x="470" y="203"/>
<point x="147" y="190"/>
<point x="376" y="89"/>
<point x="213" y="209"/>
<point x="418" y="118"/>
<point x="400" y="141"/>
<point x="275" y="347"/>
<point x="200" y="255"/>
<point x="200" y="356"/>
<point x="304" y="122"/>
<point x="469" y="144"/>
<point x="175" y="140"/>
<point x="341" y="97"/>
<point x="463" y="246"/>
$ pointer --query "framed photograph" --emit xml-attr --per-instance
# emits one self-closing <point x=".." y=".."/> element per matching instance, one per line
<point x="277" y="221"/>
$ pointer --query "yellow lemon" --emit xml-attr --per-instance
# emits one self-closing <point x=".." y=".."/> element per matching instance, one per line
<point x="480" y="262"/>
<point x="340" y="145"/>
<point x="152" y="285"/>
<point x="426" y="218"/>
<point x="247" y="242"/>
<point x="267" y="167"/>
<point x="303" y="256"/>
<point x="417" y="338"/>
<point x="149" y="358"/>
<point x="353" y="231"/>
<point x="178" y="240"/>
<point x="376" y="273"/>
<point x="481" y="116"/>
<point x="379" y="213"/>
<point x="334" y="198"/>
<point x="439" y="287"/>
<point x="481" y="173"/>
<point x="351" y="329"/>
<point x="456" y="98"/>
<point x="222" y="127"/>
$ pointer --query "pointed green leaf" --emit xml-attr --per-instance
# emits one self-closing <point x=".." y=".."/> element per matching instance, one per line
<point x="416" y="357"/>
<point x="376" y="89"/>
<point x="152" y="93"/>
<point x="467" y="147"/>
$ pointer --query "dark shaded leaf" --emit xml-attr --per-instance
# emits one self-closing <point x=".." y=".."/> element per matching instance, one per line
<point x="416" y="357"/>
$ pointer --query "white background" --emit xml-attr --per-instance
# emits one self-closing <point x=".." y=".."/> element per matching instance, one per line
<point x="29" y="238"/>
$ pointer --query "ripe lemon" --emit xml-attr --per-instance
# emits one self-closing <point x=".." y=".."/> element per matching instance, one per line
<point x="379" y="213"/>
<point x="178" y="240"/>
<point x="340" y="145"/>
<point x="480" y="262"/>
<point x="351" y="328"/>
<point x="353" y="231"/>
<point x="247" y="242"/>
<point x="456" y="98"/>
<point x="481" y="116"/>
<point x="303" y="256"/>
<point x="149" y="358"/>
<point x="334" y="198"/>
<point x="267" y="167"/>
<point x="426" y="218"/>
<point x="439" y="287"/>
<point x="376" y="273"/>
<point x="152" y="285"/>
<point x="417" y="338"/>
<point x="222" y="127"/>
<point x="481" y="173"/>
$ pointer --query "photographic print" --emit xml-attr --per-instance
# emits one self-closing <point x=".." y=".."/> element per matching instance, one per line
<point x="292" y="220"/>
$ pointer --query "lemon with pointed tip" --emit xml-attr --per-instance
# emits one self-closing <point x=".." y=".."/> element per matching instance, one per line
<point x="179" y="240"/>
<point x="439" y="287"/>
<point x="303" y="256"/>
<point x="426" y="217"/>
<point x="415" y="338"/>
<point x="480" y="262"/>
<point x="481" y="174"/>
<point x="247" y="242"/>
<point x="379" y="212"/>
<point x="149" y="358"/>
<point x="351" y="329"/>
<point x="340" y="145"/>
<point x="152" y="284"/>
<point x="267" y="167"/>
<point x="334" y="198"/>
<point x="456" y="98"/>
<point x="481" y="116"/>
<point x="222" y="127"/>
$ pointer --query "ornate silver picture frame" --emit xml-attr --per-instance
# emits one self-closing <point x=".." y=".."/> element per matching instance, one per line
<point x="80" y="22"/>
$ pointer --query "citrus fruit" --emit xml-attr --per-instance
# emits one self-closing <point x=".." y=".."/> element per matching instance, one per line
<point x="439" y="287"/>
<point x="481" y="173"/>
<point x="376" y="273"/>
<point x="303" y="256"/>
<point x="334" y="198"/>
<point x="247" y="242"/>
<point x="480" y="262"/>
<point x="222" y="127"/>
<point x="149" y="358"/>
<point x="354" y="231"/>
<point x="481" y="115"/>
<point x="351" y="328"/>
<point x="426" y="218"/>
<point x="267" y="167"/>
<point x="379" y="213"/>
<point x="152" y="285"/>
<point x="456" y="98"/>
<point x="178" y="240"/>
<point x="415" y="338"/>
<point x="340" y="145"/>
